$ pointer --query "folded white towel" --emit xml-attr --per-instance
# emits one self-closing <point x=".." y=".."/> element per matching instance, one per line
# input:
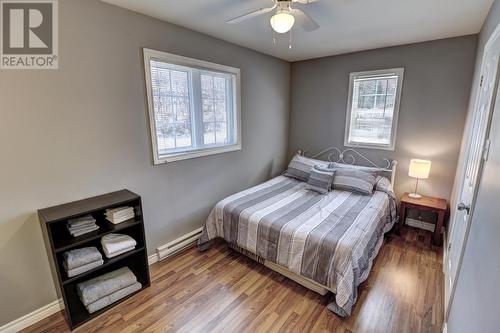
<point x="81" y="227"/>
<point x="114" y="254"/>
<point x="104" y="285"/>
<point x="80" y="257"/>
<point x="83" y="220"/>
<point x="84" y="231"/>
<point x="111" y="298"/>
<point x="116" y="243"/>
<point x="120" y="214"/>
<point x="84" y="268"/>
<point x="119" y="211"/>
<point x="116" y="220"/>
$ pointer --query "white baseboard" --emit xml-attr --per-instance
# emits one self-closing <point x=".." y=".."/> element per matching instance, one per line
<point x="32" y="318"/>
<point x="45" y="311"/>
<point x="163" y="252"/>
<point x="152" y="259"/>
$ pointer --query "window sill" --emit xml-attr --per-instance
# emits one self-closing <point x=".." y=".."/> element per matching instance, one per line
<point x="195" y="153"/>
<point x="368" y="146"/>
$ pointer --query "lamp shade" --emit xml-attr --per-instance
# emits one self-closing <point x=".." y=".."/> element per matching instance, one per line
<point x="282" y="22"/>
<point x="419" y="168"/>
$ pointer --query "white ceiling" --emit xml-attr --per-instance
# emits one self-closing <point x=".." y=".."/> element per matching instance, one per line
<point x="346" y="25"/>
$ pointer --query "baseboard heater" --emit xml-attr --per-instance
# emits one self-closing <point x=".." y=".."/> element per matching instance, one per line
<point x="178" y="244"/>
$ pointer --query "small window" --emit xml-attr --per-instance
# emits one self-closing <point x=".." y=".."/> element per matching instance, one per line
<point x="372" y="108"/>
<point x="193" y="106"/>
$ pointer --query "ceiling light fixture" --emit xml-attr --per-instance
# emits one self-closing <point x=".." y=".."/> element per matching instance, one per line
<point x="282" y="22"/>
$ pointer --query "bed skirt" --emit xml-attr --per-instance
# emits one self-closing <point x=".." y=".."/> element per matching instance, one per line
<point x="308" y="283"/>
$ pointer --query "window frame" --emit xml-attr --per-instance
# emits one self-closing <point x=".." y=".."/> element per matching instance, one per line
<point x="200" y="65"/>
<point x="399" y="72"/>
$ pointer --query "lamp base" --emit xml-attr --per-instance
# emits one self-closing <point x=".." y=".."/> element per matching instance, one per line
<point x="415" y="195"/>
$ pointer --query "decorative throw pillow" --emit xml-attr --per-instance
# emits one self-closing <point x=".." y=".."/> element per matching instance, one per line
<point x="354" y="180"/>
<point x="320" y="179"/>
<point x="384" y="185"/>
<point x="300" y="167"/>
<point x="375" y="171"/>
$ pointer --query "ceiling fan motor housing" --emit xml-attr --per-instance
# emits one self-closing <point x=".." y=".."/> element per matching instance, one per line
<point x="283" y="6"/>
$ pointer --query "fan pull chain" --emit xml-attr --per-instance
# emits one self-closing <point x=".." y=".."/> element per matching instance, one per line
<point x="290" y="40"/>
<point x="274" y="37"/>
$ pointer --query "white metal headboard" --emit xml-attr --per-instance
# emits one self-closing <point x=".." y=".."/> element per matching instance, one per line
<point x="349" y="156"/>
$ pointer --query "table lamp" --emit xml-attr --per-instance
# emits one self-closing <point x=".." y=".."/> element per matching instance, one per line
<point x="418" y="169"/>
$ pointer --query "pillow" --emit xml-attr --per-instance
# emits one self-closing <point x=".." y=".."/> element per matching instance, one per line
<point x="320" y="179"/>
<point x="354" y="180"/>
<point x="300" y="167"/>
<point x="373" y="170"/>
<point x="384" y="185"/>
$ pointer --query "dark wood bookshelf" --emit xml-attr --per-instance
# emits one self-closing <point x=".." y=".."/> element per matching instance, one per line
<point x="58" y="240"/>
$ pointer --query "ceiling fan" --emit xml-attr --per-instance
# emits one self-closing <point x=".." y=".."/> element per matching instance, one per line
<point x="284" y="18"/>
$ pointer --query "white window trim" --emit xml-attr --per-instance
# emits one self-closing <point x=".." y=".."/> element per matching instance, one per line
<point x="149" y="55"/>
<point x="399" y="72"/>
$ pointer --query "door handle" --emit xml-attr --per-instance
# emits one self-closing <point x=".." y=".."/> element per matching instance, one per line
<point x="462" y="206"/>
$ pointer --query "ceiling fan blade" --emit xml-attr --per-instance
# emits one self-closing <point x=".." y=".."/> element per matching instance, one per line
<point x="247" y="16"/>
<point x="307" y="23"/>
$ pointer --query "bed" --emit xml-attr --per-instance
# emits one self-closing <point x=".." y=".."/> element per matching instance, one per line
<point x="326" y="242"/>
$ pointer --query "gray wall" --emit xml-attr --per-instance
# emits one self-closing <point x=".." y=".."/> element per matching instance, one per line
<point x="83" y="130"/>
<point x="477" y="297"/>
<point x="434" y="101"/>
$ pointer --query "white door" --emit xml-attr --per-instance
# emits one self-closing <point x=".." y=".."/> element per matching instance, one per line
<point x="477" y="146"/>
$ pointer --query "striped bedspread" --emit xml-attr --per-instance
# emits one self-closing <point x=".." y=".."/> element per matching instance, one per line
<point x="329" y="238"/>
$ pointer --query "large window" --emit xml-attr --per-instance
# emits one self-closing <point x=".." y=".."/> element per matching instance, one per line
<point x="372" y="108"/>
<point x="193" y="106"/>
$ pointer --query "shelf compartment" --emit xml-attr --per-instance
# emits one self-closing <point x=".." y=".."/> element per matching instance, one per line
<point x="107" y="262"/>
<point x="77" y="310"/>
<point x="65" y="241"/>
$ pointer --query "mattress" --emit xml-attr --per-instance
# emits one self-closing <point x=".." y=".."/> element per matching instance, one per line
<point x="331" y="238"/>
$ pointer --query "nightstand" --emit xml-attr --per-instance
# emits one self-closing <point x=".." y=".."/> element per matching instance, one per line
<point x="430" y="204"/>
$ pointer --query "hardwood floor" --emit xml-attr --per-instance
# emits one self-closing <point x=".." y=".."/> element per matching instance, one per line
<point x="222" y="291"/>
